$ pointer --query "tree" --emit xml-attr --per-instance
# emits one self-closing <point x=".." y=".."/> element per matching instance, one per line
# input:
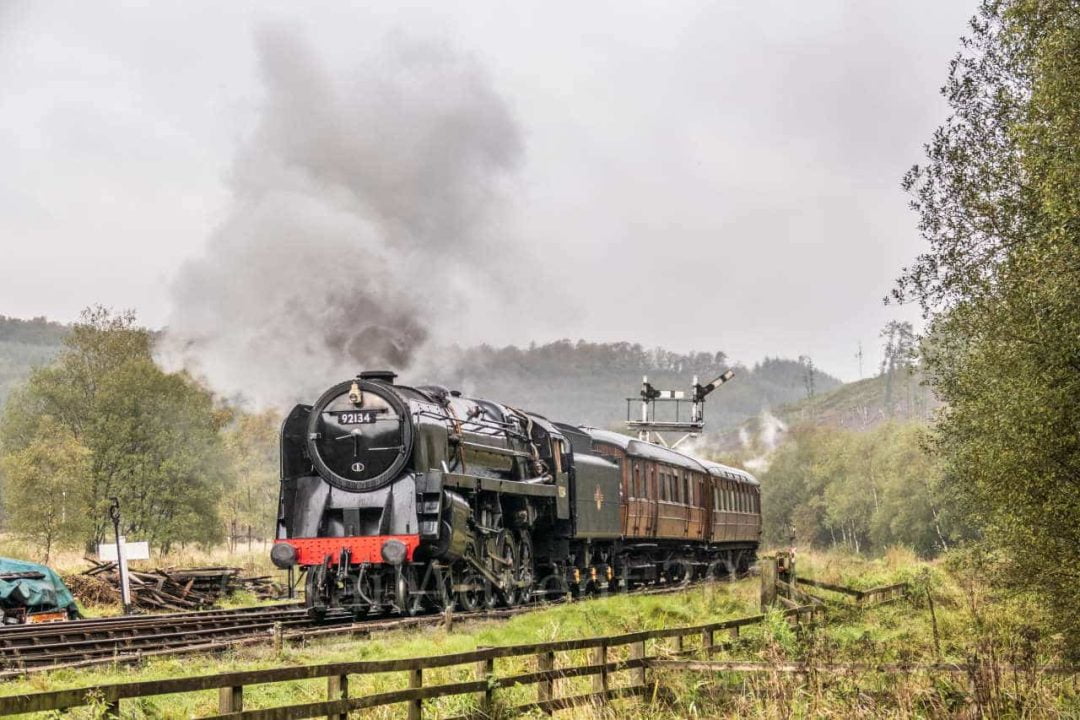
<point x="152" y="438"/>
<point x="898" y="358"/>
<point x="251" y="442"/>
<point x="999" y="205"/>
<point x="46" y="487"/>
<point x="862" y="490"/>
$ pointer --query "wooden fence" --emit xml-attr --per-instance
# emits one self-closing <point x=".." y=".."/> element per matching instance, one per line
<point x="873" y="596"/>
<point x="607" y="656"/>
<point x="780" y="586"/>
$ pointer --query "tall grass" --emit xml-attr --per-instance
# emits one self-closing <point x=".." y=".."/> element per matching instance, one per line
<point x="973" y="626"/>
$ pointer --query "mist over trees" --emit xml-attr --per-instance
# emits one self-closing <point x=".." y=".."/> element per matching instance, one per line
<point x="588" y="383"/>
<point x="103" y="421"/>
<point x="25" y="344"/>
<point x="998" y="200"/>
<point x="860" y="490"/>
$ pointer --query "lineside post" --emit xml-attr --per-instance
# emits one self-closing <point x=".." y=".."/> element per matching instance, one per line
<point x="485" y="669"/>
<point x="416" y="680"/>
<point x="769" y="576"/>
<point x="231" y="699"/>
<point x="600" y="679"/>
<point x="637" y="652"/>
<point x="707" y="643"/>
<point x="545" y="689"/>
<point x="337" y="688"/>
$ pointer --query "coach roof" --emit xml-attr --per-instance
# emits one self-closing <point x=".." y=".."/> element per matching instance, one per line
<point x="651" y="451"/>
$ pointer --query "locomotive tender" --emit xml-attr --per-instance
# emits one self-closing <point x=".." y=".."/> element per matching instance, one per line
<point x="404" y="499"/>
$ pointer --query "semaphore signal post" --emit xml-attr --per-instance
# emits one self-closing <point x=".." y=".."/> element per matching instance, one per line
<point x="650" y="428"/>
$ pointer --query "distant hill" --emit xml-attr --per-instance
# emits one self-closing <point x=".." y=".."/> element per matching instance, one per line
<point x="25" y="344"/>
<point x="857" y="405"/>
<point x="865" y="403"/>
<point x="578" y="382"/>
<point x="588" y="383"/>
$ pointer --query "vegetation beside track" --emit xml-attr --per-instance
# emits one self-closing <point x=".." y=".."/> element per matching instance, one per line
<point x="972" y="622"/>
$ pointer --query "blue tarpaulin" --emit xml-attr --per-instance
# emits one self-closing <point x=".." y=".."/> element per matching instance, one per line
<point x="47" y="593"/>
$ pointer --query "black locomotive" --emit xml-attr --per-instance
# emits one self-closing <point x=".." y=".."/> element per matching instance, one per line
<point x="403" y="499"/>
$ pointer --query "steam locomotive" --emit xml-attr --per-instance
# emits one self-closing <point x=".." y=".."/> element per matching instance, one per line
<point x="408" y="499"/>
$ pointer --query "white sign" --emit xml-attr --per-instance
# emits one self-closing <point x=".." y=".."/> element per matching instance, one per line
<point x="132" y="551"/>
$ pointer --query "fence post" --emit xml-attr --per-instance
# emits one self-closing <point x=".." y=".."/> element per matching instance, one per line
<point x="484" y="670"/>
<point x="230" y="699"/>
<point x="112" y="710"/>
<point x="769" y="576"/>
<point x="416" y="680"/>
<point x="545" y="689"/>
<point x="600" y="679"/>
<point x="678" y="640"/>
<point x="337" y="688"/>
<point x="707" y="643"/>
<point x="637" y="652"/>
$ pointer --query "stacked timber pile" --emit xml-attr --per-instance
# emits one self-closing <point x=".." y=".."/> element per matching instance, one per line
<point x="172" y="588"/>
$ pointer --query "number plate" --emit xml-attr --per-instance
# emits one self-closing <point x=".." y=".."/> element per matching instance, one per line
<point x="357" y="417"/>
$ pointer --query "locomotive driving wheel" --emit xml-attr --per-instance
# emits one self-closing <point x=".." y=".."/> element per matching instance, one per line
<point x="443" y="583"/>
<point x="408" y="597"/>
<point x="471" y="594"/>
<point x="525" y="574"/>
<point x="506" y="568"/>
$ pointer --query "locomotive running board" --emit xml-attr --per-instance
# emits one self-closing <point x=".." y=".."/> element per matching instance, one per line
<point x="510" y="487"/>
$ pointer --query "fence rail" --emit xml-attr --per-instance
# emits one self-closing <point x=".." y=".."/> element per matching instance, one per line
<point x="231" y="686"/>
<point x="885" y="593"/>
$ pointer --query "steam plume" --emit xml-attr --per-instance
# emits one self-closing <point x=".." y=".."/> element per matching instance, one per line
<point x="358" y="203"/>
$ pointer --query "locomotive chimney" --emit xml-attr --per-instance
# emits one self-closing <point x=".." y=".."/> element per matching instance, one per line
<point x="386" y="376"/>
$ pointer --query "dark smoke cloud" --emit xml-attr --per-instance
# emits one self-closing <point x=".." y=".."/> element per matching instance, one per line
<point x="364" y="209"/>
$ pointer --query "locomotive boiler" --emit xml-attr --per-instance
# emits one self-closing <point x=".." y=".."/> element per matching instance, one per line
<point x="405" y="499"/>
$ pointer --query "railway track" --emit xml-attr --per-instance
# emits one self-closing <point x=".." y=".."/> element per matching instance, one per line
<point x="26" y="648"/>
<point x="124" y="640"/>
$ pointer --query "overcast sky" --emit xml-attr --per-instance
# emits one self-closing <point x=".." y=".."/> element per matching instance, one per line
<point x="711" y="176"/>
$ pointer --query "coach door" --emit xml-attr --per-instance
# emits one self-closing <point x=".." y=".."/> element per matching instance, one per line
<point x="686" y="491"/>
<point x="636" y="502"/>
<point x="653" y="490"/>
